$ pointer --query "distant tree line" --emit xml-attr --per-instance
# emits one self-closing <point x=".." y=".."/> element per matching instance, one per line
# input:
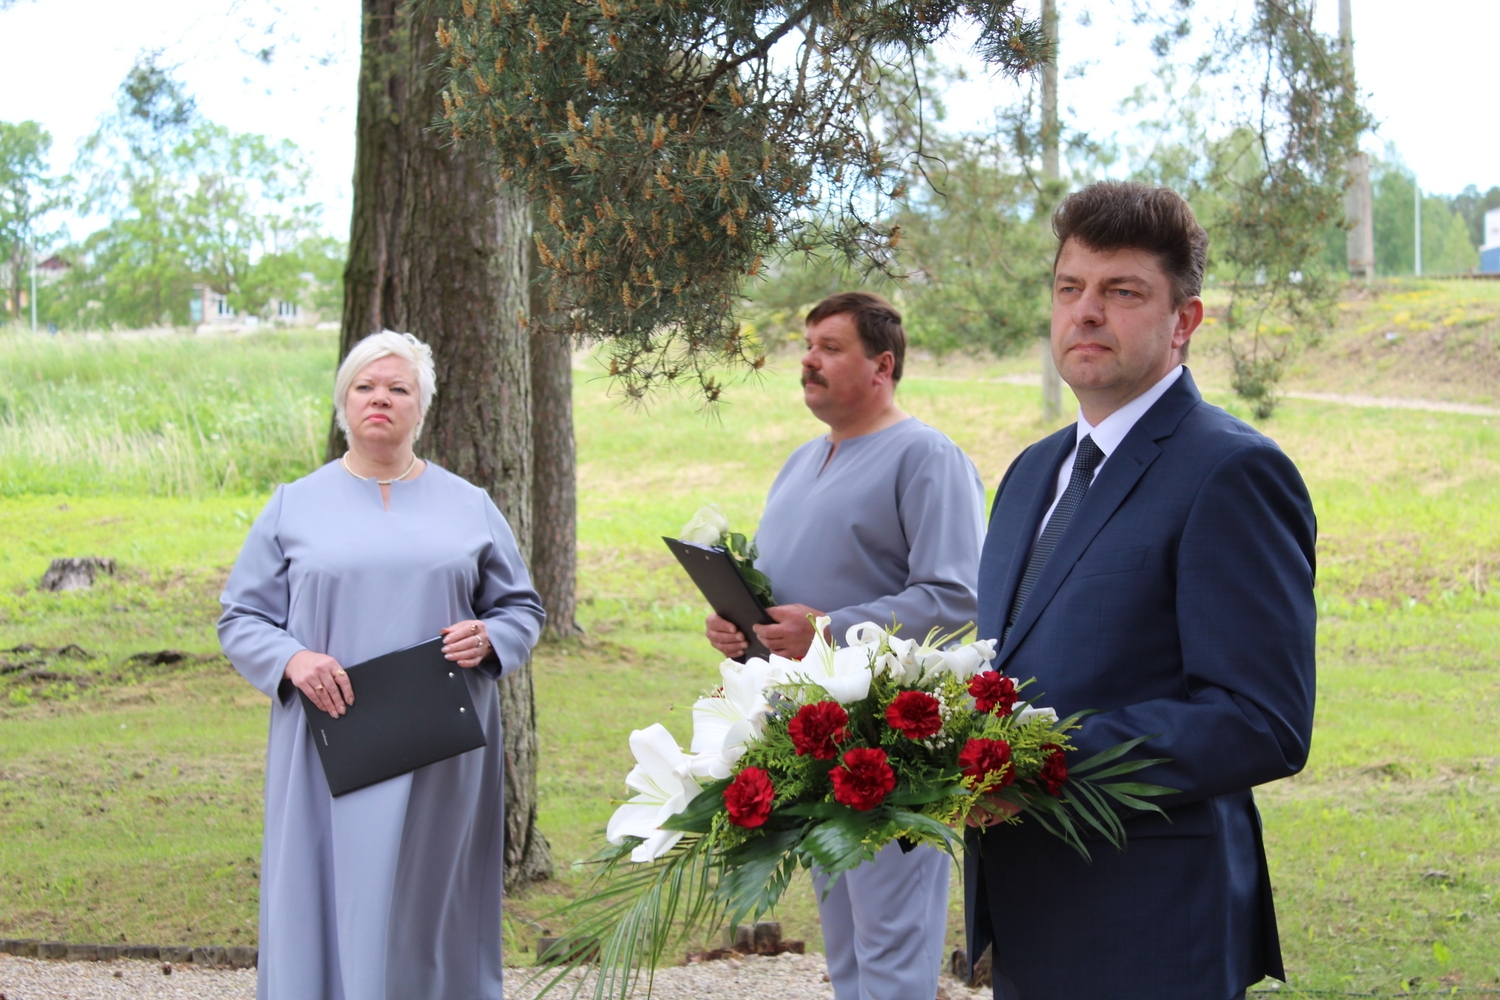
<point x="1471" y="206"/>
<point x="185" y="205"/>
<point x="1452" y="225"/>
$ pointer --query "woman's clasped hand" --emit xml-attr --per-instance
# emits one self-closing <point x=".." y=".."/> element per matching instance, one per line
<point x="467" y="643"/>
<point x="323" y="680"/>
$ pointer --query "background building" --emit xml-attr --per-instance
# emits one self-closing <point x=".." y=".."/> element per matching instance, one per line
<point x="1489" y="253"/>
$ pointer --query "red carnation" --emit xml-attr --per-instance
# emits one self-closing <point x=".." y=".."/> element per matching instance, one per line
<point x="1054" y="769"/>
<point x="916" y="714"/>
<point x="981" y="758"/>
<point x="818" y="728"/>
<point x="864" y="779"/>
<point x="990" y="690"/>
<point x="748" y="798"/>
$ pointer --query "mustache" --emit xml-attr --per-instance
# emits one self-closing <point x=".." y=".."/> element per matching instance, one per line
<point x="808" y="375"/>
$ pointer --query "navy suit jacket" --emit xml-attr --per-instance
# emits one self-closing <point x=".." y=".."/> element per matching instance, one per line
<point x="1178" y="602"/>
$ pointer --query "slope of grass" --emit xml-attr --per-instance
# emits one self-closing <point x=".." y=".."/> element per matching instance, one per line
<point x="1403" y="337"/>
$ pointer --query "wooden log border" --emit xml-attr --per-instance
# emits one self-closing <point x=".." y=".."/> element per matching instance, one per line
<point x="212" y="956"/>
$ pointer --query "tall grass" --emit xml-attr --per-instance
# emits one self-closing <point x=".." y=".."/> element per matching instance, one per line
<point x="162" y="416"/>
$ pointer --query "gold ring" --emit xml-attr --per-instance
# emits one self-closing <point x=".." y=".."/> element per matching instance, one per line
<point x="473" y="629"/>
<point x="318" y="687"/>
<point x="340" y="673"/>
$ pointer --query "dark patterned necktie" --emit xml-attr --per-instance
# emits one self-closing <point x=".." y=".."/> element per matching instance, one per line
<point x="1084" y="463"/>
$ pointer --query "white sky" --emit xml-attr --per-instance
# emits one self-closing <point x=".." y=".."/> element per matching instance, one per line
<point x="1435" y="107"/>
<point x="306" y="94"/>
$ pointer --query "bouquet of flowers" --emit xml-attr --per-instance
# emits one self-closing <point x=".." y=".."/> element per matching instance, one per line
<point x="823" y="761"/>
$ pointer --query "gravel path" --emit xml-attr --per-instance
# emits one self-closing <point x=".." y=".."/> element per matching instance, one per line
<point x="1399" y="403"/>
<point x="44" y="979"/>
<point x="785" y="977"/>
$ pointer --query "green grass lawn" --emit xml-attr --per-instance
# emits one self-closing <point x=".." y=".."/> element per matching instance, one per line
<point x="129" y="795"/>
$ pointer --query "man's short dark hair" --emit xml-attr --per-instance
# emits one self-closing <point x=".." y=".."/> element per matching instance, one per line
<point x="875" y="319"/>
<point x="1125" y="215"/>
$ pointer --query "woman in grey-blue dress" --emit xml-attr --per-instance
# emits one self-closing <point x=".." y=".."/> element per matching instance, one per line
<point x="392" y="891"/>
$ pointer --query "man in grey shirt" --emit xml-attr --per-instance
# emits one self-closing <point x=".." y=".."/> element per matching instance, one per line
<point x="881" y="519"/>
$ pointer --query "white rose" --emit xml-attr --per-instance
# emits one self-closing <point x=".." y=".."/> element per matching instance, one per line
<point x="707" y="527"/>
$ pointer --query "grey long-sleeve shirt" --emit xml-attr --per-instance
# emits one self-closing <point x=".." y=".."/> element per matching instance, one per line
<point x="892" y="525"/>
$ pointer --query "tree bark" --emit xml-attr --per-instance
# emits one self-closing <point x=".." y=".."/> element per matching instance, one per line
<point x="554" y="484"/>
<point x="437" y="248"/>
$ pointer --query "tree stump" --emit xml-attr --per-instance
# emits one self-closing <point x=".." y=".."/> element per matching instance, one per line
<point x="760" y="938"/>
<point x="75" y="574"/>
<point x="767" y="937"/>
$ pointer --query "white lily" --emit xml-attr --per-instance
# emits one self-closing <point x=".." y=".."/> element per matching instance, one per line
<point x="865" y="634"/>
<point x="909" y="662"/>
<point x="725" y="724"/>
<point x="662" y="793"/>
<point x="844" y="673"/>
<point x="901" y="661"/>
<point x="963" y="661"/>
<point x="1024" y="713"/>
<point x="707" y="527"/>
<point x="778" y="670"/>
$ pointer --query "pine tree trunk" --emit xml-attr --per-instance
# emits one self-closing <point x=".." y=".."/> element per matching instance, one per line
<point x="554" y="483"/>
<point x="437" y="248"/>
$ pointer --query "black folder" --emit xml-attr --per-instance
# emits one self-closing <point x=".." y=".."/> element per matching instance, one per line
<point x="411" y="708"/>
<point x="718" y="578"/>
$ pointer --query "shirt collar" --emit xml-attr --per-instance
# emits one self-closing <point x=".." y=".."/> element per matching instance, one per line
<point x="1113" y="428"/>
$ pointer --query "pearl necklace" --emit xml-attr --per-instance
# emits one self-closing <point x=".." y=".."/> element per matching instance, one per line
<point x="344" y="461"/>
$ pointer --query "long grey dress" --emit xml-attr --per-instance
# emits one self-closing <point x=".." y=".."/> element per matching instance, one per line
<point x="392" y="891"/>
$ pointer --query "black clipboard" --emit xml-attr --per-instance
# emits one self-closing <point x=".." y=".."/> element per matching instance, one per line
<point x="720" y="582"/>
<point x="411" y="708"/>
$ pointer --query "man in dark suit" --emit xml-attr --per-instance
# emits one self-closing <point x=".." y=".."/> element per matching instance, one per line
<point x="1153" y="562"/>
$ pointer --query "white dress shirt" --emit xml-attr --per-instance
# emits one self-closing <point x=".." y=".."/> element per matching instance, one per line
<point x="1108" y="435"/>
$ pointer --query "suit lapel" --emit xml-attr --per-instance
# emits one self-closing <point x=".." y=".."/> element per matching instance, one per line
<point x="1041" y="499"/>
<point x="1110" y="488"/>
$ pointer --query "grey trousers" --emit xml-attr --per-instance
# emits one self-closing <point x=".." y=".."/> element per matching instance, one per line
<point x="884" y="925"/>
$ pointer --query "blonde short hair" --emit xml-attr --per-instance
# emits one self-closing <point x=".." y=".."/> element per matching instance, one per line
<point x="385" y="344"/>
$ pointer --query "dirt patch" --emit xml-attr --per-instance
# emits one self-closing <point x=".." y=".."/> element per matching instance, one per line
<point x="1398" y="569"/>
<point x="72" y="678"/>
<point x="1390" y="779"/>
